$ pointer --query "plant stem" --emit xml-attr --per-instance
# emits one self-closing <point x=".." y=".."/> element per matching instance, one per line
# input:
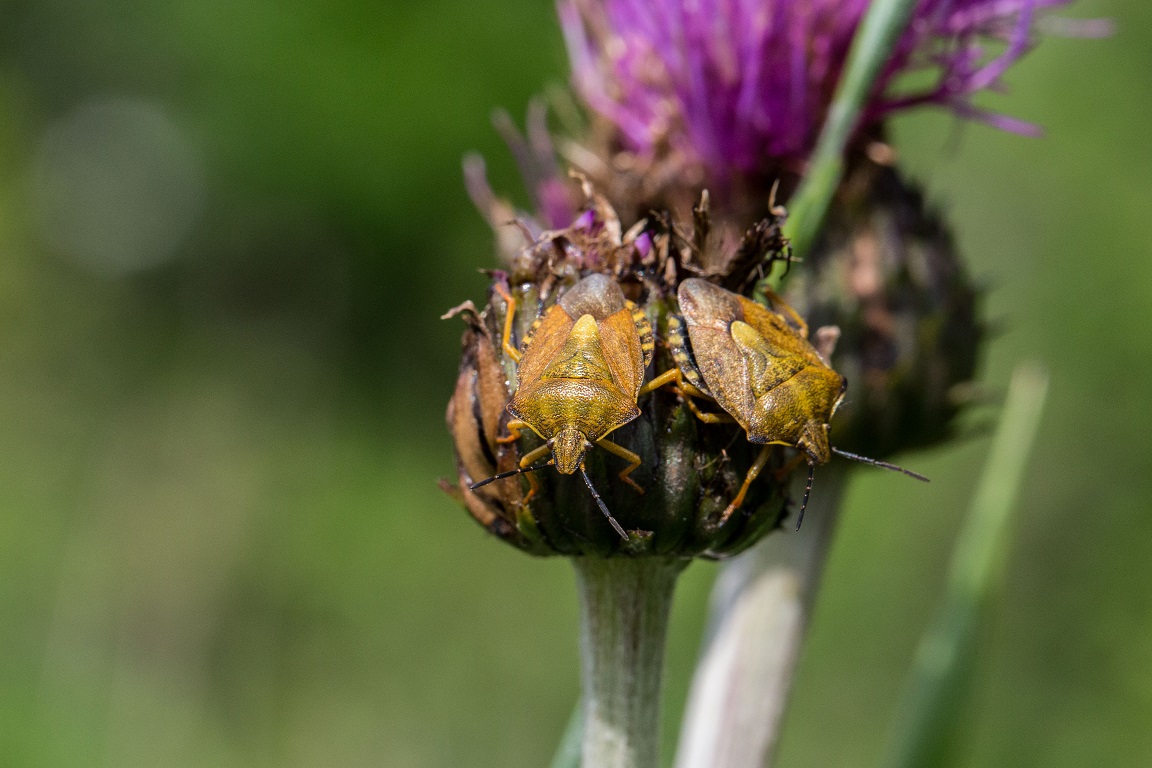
<point x="624" y="605"/>
<point x="760" y="609"/>
<point x="568" y="753"/>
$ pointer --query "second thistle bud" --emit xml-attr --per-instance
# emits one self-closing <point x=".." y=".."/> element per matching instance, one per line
<point x="885" y="272"/>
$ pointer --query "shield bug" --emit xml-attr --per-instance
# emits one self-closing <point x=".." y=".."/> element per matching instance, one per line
<point x="758" y="366"/>
<point x="578" y="379"/>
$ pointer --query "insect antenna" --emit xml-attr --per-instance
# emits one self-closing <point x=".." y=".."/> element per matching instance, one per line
<point x="881" y="464"/>
<point x="603" y="507"/>
<point x="807" y="490"/>
<point x="503" y="475"/>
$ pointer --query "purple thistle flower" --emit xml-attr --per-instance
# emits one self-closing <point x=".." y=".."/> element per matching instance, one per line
<point x="743" y="86"/>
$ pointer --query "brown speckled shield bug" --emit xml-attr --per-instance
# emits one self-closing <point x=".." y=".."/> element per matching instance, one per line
<point x="578" y="379"/>
<point x="758" y="366"/>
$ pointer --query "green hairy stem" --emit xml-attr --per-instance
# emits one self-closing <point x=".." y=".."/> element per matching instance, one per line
<point x="624" y="605"/>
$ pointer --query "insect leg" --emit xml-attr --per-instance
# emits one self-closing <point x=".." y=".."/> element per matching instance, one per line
<point x="673" y="376"/>
<point x="632" y="459"/>
<point x="529" y="459"/>
<point x="687" y="388"/>
<point x="509" y="316"/>
<point x="514" y="428"/>
<point x="704" y="416"/>
<point x="688" y="391"/>
<point x="663" y="379"/>
<point x="753" y="473"/>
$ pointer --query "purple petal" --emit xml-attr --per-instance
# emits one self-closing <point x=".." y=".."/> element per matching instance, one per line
<point x="743" y="85"/>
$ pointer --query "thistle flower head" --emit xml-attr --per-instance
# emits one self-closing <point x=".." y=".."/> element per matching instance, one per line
<point x="708" y="109"/>
<point x="742" y="86"/>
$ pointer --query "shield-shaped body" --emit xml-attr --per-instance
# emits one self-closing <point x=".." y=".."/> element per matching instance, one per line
<point x="582" y="368"/>
<point x="759" y="367"/>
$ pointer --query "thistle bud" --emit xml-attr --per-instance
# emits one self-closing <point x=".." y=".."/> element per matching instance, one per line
<point x="886" y="274"/>
<point x="689" y="471"/>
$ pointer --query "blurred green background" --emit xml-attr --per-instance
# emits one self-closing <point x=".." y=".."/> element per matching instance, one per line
<point x="226" y="232"/>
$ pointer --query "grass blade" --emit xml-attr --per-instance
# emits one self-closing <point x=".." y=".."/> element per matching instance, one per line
<point x="871" y="47"/>
<point x="925" y="718"/>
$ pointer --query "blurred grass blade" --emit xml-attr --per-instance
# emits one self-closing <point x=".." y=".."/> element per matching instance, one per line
<point x="871" y="48"/>
<point x="924" y="721"/>
<point x="568" y="753"/>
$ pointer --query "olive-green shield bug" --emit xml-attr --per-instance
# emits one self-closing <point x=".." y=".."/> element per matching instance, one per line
<point x="578" y="379"/>
<point x="758" y="366"/>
